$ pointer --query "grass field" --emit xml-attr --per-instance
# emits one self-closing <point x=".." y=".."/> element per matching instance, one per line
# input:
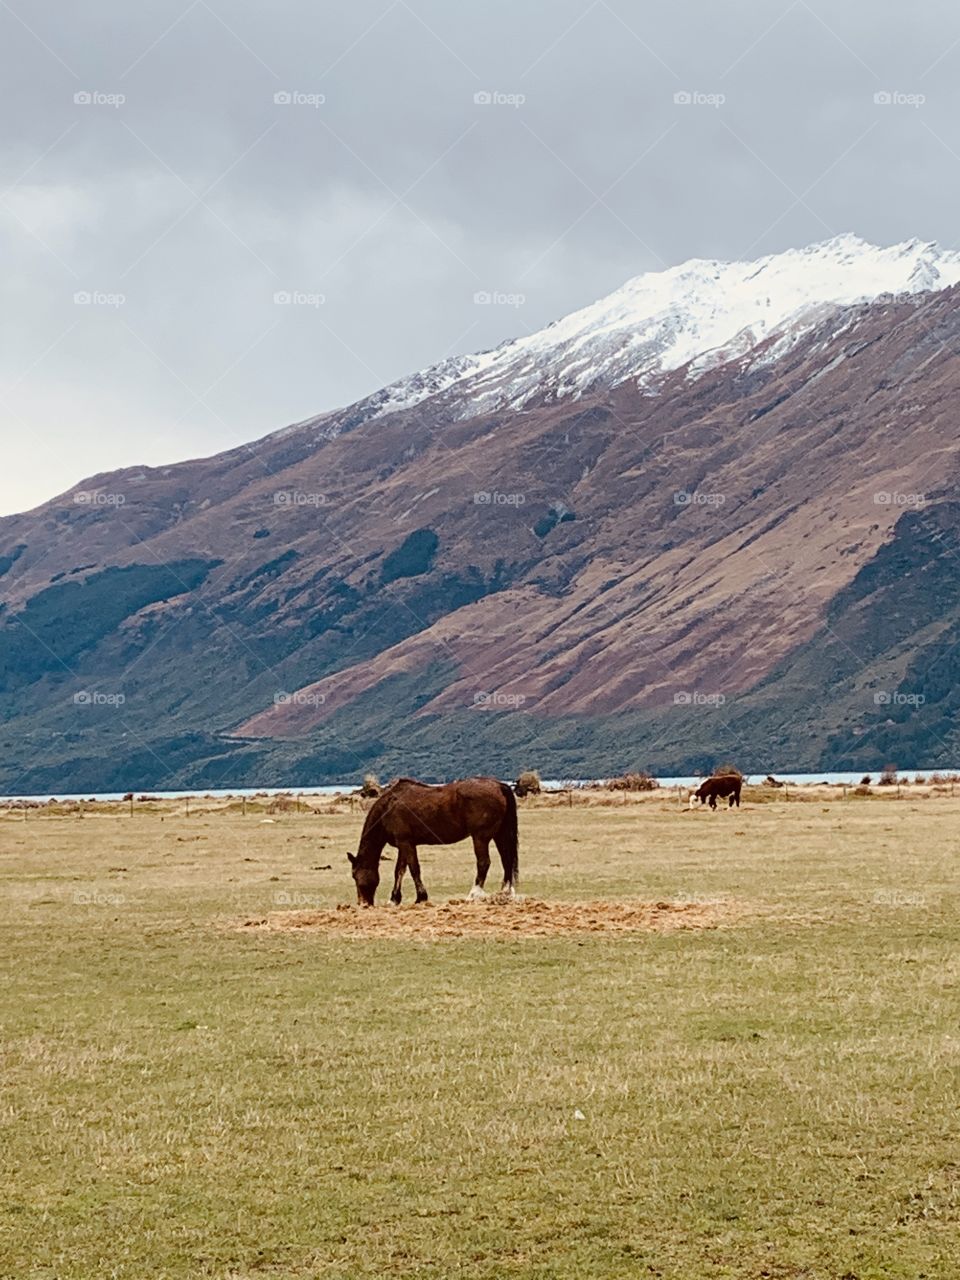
<point x="775" y="1097"/>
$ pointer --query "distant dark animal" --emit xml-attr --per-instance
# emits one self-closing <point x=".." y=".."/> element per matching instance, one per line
<point x="410" y="813"/>
<point x="728" y="785"/>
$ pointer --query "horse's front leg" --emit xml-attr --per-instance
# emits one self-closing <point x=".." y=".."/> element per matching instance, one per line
<point x="409" y="853"/>
<point x="481" y="848"/>
<point x="398" y="871"/>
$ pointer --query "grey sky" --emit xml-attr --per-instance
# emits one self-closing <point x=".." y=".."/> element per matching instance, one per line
<point x="198" y="198"/>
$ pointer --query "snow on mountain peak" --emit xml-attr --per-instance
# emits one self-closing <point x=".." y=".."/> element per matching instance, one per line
<point x="697" y="314"/>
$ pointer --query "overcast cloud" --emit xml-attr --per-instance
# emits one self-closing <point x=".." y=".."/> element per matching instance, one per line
<point x="181" y="197"/>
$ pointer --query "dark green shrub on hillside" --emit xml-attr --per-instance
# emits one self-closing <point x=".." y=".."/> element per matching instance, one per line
<point x="413" y="556"/>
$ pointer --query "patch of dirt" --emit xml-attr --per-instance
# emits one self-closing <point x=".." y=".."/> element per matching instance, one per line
<point x="497" y="917"/>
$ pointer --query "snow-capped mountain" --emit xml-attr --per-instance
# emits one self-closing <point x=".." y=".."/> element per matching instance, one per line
<point x="700" y="314"/>
<point x="385" y="565"/>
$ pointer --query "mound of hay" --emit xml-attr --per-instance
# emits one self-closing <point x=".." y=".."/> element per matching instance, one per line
<point x="499" y="917"/>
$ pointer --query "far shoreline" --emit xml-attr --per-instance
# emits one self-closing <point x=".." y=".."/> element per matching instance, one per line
<point x="548" y="784"/>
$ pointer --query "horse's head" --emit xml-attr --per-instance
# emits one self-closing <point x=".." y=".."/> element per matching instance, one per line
<point x="366" y="877"/>
<point x="694" y="797"/>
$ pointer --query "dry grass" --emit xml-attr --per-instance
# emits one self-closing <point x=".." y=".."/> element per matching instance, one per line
<point x="775" y="1097"/>
<point x="496" y="917"/>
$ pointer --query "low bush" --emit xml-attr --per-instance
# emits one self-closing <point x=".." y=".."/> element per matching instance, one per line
<point x="639" y="781"/>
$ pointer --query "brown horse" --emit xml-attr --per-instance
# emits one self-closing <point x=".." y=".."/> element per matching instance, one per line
<point x="411" y="813"/>
<point x="728" y="785"/>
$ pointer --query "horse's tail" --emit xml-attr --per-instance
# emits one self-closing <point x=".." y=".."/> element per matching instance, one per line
<point x="508" y="838"/>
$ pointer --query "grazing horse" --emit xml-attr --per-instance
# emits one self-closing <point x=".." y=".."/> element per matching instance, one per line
<point x="727" y="785"/>
<point x="409" y="813"/>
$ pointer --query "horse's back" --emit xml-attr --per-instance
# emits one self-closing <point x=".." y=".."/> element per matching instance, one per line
<point x="422" y="813"/>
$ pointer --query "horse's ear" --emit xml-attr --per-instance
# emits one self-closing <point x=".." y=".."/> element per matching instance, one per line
<point x="351" y="859"/>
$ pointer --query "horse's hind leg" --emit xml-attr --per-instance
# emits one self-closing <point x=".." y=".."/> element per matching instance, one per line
<point x="481" y="848"/>
<point x="398" y="871"/>
<point x="509" y="868"/>
<point x="409" y="852"/>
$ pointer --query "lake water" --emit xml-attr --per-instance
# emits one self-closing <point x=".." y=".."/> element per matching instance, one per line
<point x="550" y="784"/>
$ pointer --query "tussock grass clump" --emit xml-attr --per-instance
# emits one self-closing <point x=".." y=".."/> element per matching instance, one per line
<point x="528" y="784"/>
<point x="285" y="803"/>
<point x="638" y="781"/>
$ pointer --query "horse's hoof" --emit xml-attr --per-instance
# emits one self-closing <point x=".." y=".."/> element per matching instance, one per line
<point x="422" y="897"/>
<point x="476" y="894"/>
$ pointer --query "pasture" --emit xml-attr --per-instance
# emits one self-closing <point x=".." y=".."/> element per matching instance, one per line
<point x="192" y="1088"/>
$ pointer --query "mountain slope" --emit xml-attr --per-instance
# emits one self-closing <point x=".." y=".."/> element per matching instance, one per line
<point x="655" y="571"/>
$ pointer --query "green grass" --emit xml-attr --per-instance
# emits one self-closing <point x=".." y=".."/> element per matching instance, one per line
<point x="773" y="1099"/>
